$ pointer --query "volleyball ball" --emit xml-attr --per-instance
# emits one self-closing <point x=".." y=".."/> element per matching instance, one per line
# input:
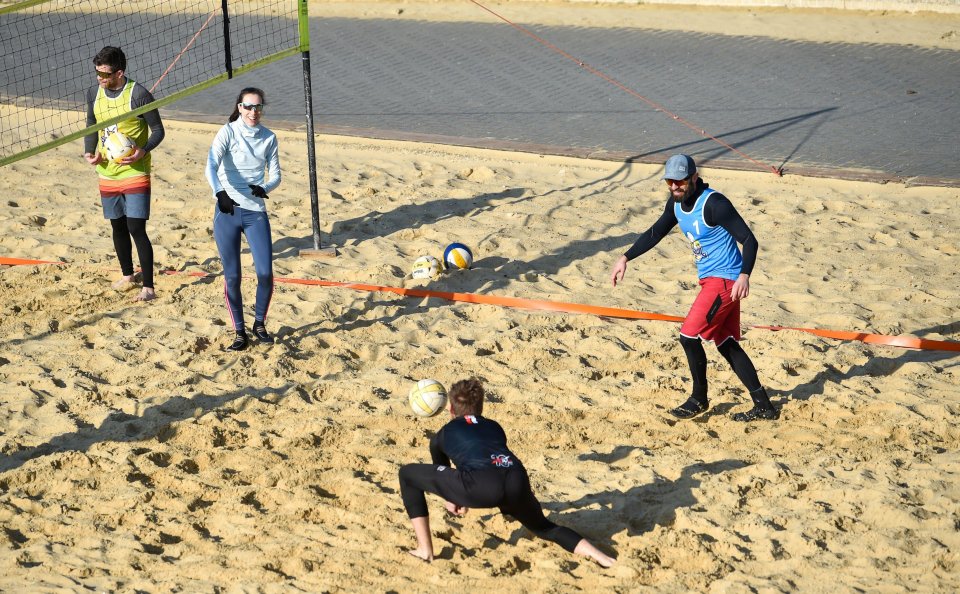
<point x="118" y="145"/>
<point x="427" y="397"/>
<point x="426" y="267"/>
<point x="458" y="255"/>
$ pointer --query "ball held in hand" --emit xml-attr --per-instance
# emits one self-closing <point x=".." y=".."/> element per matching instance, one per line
<point x="118" y="145"/>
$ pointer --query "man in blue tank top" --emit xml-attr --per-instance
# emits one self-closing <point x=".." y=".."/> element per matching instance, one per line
<point x="713" y="227"/>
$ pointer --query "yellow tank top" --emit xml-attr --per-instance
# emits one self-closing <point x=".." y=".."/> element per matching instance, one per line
<point x="136" y="128"/>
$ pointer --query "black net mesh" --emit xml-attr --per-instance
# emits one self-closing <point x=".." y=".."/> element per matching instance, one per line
<point x="171" y="46"/>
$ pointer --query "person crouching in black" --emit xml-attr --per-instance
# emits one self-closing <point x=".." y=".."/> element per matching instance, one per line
<point x="486" y="475"/>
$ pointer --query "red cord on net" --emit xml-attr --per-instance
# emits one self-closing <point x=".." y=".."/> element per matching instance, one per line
<point x="656" y="106"/>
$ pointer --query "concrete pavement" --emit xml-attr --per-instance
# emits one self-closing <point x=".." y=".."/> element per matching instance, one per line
<point x="882" y="112"/>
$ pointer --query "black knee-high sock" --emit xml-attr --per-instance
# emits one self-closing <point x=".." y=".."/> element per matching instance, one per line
<point x="697" y="360"/>
<point x="743" y="367"/>
<point x="138" y="230"/>
<point x="122" y="245"/>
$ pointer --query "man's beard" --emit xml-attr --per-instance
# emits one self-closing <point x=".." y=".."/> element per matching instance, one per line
<point x="688" y="191"/>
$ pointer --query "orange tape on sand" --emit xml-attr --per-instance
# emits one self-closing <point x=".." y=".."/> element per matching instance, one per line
<point x="907" y="342"/>
<point x="21" y="262"/>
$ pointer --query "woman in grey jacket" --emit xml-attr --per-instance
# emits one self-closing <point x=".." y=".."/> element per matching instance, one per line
<point x="243" y="167"/>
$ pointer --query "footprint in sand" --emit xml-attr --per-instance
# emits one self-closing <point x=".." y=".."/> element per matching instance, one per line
<point x="199" y="503"/>
<point x="251" y="500"/>
<point x="481" y="174"/>
<point x="161" y="459"/>
<point x="410" y="234"/>
<point x="189" y="466"/>
<point x="796" y="302"/>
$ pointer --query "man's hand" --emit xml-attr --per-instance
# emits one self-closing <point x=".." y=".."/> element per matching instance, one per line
<point x="258" y="191"/>
<point x="225" y="203"/>
<point x="133" y="157"/>
<point x="93" y="158"/>
<point x="454" y="509"/>
<point x="741" y="288"/>
<point x="619" y="269"/>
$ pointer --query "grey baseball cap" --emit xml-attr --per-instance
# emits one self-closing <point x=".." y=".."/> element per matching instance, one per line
<point x="679" y="167"/>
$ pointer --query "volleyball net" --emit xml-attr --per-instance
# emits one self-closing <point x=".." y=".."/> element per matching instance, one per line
<point x="174" y="48"/>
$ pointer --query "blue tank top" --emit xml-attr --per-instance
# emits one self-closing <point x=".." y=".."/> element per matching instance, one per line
<point x="714" y="250"/>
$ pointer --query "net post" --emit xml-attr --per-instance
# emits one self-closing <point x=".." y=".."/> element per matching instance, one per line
<point x="227" y="56"/>
<point x="318" y="250"/>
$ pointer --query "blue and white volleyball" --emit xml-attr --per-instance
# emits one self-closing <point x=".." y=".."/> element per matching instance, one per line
<point x="458" y="256"/>
<point x="427" y="397"/>
<point x="425" y="267"/>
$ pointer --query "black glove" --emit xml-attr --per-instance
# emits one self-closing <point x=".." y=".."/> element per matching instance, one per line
<point x="225" y="203"/>
<point x="258" y="191"/>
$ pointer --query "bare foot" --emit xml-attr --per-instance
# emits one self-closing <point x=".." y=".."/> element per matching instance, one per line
<point x="428" y="557"/>
<point x="124" y="283"/>
<point x="146" y="294"/>
<point x="604" y="561"/>
<point x="587" y="549"/>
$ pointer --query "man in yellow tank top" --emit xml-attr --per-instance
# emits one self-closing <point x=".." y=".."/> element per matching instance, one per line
<point x="125" y="183"/>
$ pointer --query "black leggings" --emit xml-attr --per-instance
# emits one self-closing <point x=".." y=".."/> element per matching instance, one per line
<point x="506" y="488"/>
<point x="123" y="229"/>
<point x="741" y="364"/>
<point x="731" y="351"/>
<point x="697" y="360"/>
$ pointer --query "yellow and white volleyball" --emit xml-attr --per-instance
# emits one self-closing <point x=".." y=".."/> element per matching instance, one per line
<point x="118" y="145"/>
<point x="426" y="267"/>
<point x="458" y="255"/>
<point x="427" y="397"/>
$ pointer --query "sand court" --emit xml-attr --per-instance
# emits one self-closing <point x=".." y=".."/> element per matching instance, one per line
<point x="135" y="454"/>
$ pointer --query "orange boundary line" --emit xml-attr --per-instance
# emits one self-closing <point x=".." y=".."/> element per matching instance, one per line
<point x="22" y="262"/>
<point x="907" y="342"/>
<point x="516" y="302"/>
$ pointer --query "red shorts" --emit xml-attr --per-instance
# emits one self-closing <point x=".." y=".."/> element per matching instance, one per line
<point x="713" y="315"/>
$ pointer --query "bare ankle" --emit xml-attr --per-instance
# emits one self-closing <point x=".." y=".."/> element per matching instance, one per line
<point x="424" y="555"/>
<point x="123" y="283"/>
<point x="146" y="294"/>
